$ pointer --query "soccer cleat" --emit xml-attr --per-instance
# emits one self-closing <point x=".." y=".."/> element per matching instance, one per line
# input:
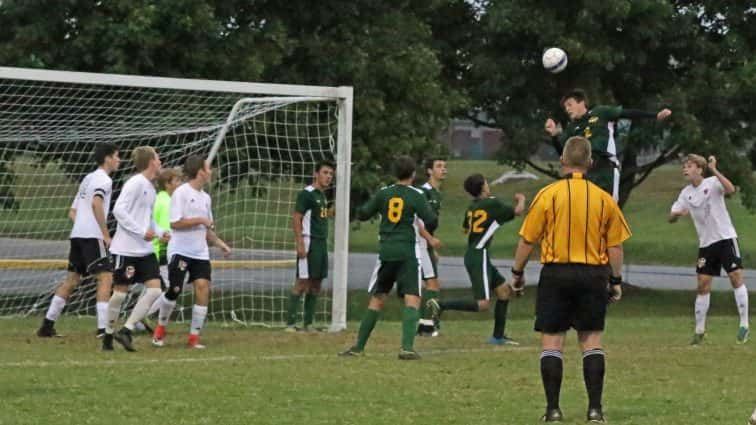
<point x="48" y="331"/>
<point x="408" y="355"/>
<point x="100" y="333"/>
<point x="425" y="327"/>
<point x="742" y="335"/>
<point x="752" y="419"/>
<point x="697" y="339"/>
<point x="595" y="416"/>
<point x="107" y="342"/>
<point x="352" y="352"/>
<point x="311" y="330"/>
<point x="195" y="343"/>
<point x="158" y="337"/>
<point x="123" y="337"/>
<point x="291" y="329"/>
<point x="505" y="340"/>
<point x="552" y="415"/>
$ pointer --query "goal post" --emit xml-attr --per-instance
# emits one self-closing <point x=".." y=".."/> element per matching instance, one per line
<point x="263" y="141"/>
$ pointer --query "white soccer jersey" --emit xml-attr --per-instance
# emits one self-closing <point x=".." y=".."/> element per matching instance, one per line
<point x="133" y="211"/>
<point x="187" y="202"/>
<point x="95" y="183"/>
<point x="708" y="210"/>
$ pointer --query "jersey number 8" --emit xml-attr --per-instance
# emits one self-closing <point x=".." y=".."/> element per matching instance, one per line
<point x="395" y="207"/>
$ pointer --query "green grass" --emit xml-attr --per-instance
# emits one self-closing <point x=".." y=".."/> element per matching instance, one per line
<point x="259" y="376"/>
<point x="654" y="241"/>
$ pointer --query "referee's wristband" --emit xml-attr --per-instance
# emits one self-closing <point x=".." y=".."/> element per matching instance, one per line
<point x="517" y="272"/>
<point x="615" y="280"/>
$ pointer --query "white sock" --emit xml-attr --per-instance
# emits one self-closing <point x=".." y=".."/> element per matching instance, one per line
<point x="702" y="308"/>
<point x="56" y="307"/>
<point x="114" y="309"/>
<point x="166" y="309"/>
<point x="155" y="305"/>
<point x="142" y="306"/>
<point x="102" y="314"/>
<point x="741" y="300"/>
<point x="199" y="312"/>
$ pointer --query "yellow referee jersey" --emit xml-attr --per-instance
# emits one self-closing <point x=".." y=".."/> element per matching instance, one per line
<point x="576" y="221"/>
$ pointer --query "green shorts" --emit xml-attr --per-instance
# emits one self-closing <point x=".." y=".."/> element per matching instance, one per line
<point x="484" y="277"/>
<point x="315" y="264"/>
<point x="406" y="274"/>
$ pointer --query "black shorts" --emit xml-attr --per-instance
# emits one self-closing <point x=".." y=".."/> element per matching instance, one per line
<point x="88" y="256"/>
<point x="130" y="270"/>
<point x="724" y="254"/>
<point x="179" y="267"/>
<point x="572" y="296"/>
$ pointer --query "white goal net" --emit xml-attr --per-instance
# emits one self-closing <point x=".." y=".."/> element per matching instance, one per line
<point x="263" y="140"/>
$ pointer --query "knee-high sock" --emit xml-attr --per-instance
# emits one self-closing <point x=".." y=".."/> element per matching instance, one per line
<point x="293" y="313"/>
<point x="551" y="375"/>
<point x="366" y="327"/>
<point x="102" y="314"/>
<point x="741" y="300"/>
<point x="410" y="316"/>
<point x="114" y="309"/>
<point x="166" y="309"/>
<point x="310" y="304"/>
<point x="701" y="309"/>
<point x="593" y="374"/>
<point x="500" y="318"/>
<point x="56" y="307"/>
<point x="142" y="306"/>
<point x="199" y="312"/>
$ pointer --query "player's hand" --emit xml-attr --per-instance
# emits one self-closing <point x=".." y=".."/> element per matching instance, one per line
<point x="436" y="258"/>
<point x="149" y="235"/>
<point x="615" y="293"/>
<point x="107" y="240"/>
<point x="552" y="128"/>
<point x="331" y="211"/>
<point x="712" y="162"/>
<point x="519" y="197"/>
<point x="166" y="237"/>
<point x="518" y="284"/>
<point x="225" y="249"/>
<point x="301" y="253"/>
<point x="435" y="243"/>
<point x="663" y="114"/>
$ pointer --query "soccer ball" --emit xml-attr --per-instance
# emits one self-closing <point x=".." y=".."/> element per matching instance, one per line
<point x="554" y="60"/>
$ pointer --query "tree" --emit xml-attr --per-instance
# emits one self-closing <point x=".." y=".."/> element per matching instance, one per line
<point x="695" y="57"/>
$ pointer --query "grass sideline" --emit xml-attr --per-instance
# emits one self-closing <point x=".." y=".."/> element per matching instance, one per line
<point x="654" y="240"/>
<point x="261" y="376"/>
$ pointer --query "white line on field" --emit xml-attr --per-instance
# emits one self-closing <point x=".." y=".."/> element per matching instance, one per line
<point x="112" y="362"/>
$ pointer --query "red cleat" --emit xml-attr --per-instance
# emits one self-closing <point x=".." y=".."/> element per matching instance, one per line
<point x="194" y="342"/>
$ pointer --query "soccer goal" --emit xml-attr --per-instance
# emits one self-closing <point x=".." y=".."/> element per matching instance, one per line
<point x="263" y="141"/>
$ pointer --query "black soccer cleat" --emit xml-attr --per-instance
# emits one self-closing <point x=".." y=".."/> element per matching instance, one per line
<point x="123" y="337"/>
<point x="47" y="329"/>
<point x="100" y="333"/>
<point x="552" y="415"/>
<point x="595" y="415"/>
<point x="107" y="342"/>
<point x="352" y="352"/>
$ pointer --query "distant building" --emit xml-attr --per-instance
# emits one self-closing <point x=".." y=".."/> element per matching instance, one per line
<point x="466" y="140"/>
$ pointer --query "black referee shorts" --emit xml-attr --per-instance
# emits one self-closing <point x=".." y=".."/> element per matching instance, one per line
<point x="571" y="296"/>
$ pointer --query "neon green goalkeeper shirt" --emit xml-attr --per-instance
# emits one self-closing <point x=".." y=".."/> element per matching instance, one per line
<point x="161" y="214"/>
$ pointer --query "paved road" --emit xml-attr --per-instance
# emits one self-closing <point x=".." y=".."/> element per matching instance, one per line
<point x="451" y="271"/>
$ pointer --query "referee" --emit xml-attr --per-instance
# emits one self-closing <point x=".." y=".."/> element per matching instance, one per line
<point x="581" y="230"/>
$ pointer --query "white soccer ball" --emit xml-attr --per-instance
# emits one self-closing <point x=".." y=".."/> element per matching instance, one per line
<point x="554" y="60"/>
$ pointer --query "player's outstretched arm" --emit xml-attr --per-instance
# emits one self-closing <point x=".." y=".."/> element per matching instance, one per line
<point x="726" y="183"/>
<point x="519" y="200"/>
<point x="637" y="113"/>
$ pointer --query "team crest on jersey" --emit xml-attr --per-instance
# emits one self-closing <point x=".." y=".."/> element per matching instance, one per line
<point x="129" y="272"/>
<point x="182" y="265"/>
<point x="701" y="262"/>
<point x="592" y="120"/>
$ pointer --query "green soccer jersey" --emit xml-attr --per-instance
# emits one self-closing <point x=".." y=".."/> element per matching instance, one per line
<point x="598" y="126"/>
<point x="161" y="213"/>
<point x="312" y="203"/>
<point x="434" y="199"/>
<point x="398" y="206"/>
<point x="482" y="218"/>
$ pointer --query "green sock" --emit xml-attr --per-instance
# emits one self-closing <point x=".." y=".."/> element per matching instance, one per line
<point x="410" y="316"/>
<point x="366" y="327"/>
<point x="429" y="294"/>
<point x="460" y="305"/>
<point x="310" y="303"/>
<point x="293" y="315"/>
<point x="500" y="318"/>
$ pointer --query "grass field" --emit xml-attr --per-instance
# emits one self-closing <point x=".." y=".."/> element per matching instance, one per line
<point x="258" y="376"/>
<point x="654" y="240"/>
